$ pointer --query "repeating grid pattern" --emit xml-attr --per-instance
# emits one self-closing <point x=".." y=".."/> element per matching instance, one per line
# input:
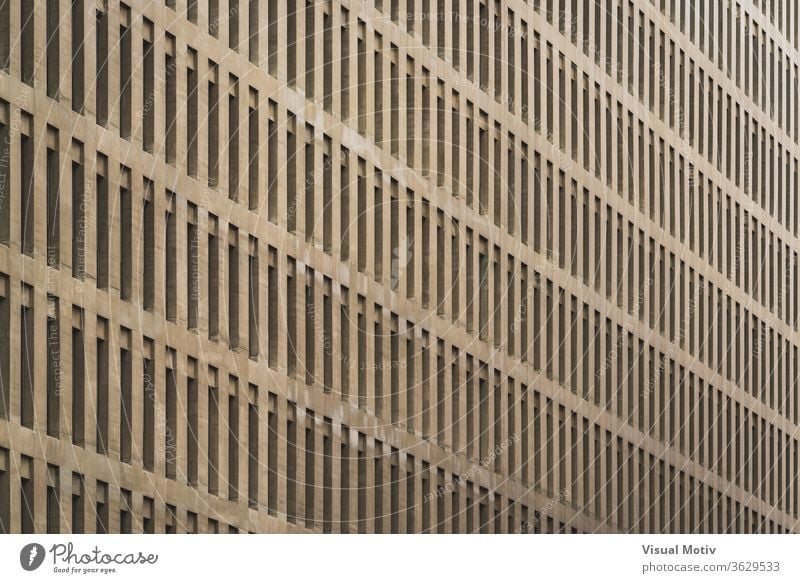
<point x="422" y="266"/>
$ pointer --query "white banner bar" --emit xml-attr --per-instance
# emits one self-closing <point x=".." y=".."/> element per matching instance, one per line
<point x="384" y="558"/>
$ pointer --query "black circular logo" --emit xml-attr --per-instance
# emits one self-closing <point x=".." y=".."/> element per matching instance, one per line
<point x="31" y="556"/>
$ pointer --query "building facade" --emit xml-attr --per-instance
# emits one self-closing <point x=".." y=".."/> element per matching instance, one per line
<point x="423" y="266"/>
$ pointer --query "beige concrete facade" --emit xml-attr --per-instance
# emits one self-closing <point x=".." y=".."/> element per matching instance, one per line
<point x="425" y="266"/>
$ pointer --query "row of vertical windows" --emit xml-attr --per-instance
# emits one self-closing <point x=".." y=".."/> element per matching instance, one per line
<point x="406" y="494"/>
<point x="782" y="14"/>
<point x="401" y="374"/>
<point x="69" y="503"/>
<point x="684" y="95"/>
<point x="745" y="156"/>
<point x="580" y="234"/>
<point x="753" y="158"/>
<point x="626" y="42"/>
<point x="623" y="41"/>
